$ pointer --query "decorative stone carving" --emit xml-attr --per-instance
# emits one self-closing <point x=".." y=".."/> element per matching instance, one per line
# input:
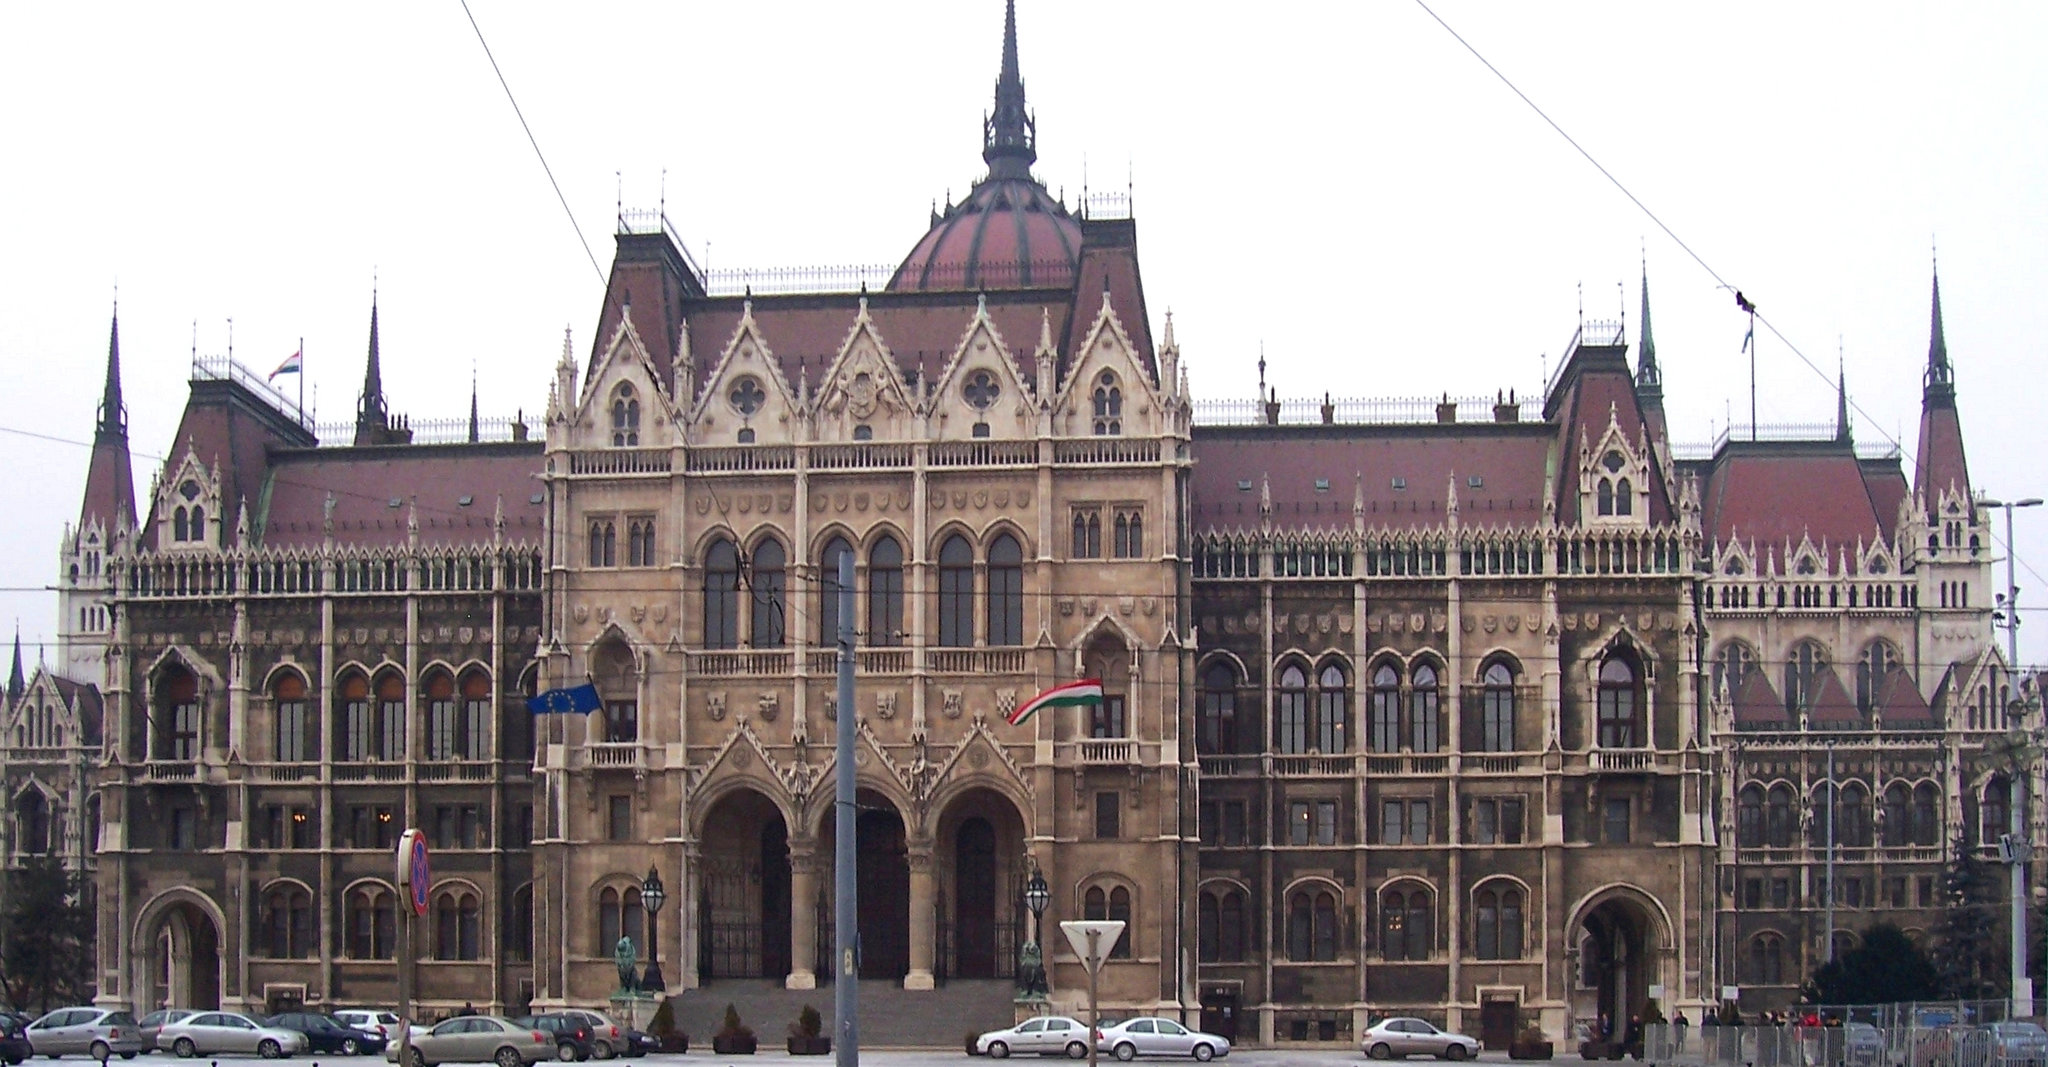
<point x="742" y="757"/>
<point x="639" y="612"/>
<point x="951" y="707"/>
<point x="714" y="706"/>
<point x="832" y="707"/>
<point x="1066" y="605"/>
<point x="769" y="706"/>
<point x="661" y="613"/>
<point x="885" y="704"/>
<point x="977" y="758"/>
<point x="1087" y="605"/>
<point x="860" y="501"/>
<point x="1149" y="605"/>
<point x="1006" y="702"/>
<point x="1514" y="623"/>
<point x="1002" y="498"/>
<point x="1125" y="605"/>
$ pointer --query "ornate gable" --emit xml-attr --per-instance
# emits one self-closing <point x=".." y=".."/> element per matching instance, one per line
<point x="1614" y="478"/>
<point x="188" y="505"/>
<point x="625" y="401"/>
<point x="745" y="399"/>
<point x="979" y="392"/>
<point x="1108" y="391"/>
<point x="861" y="396"/>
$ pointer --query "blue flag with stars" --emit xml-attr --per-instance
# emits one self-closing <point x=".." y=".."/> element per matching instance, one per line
<point x="577" y="698"/>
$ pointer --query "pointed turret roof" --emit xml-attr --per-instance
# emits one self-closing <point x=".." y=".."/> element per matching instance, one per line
<point x="1939" y="465"/>
<point x="16" y="683"/>
<point x="474" y="437"/>
<point x="1009" y="133"/>
<point x="1842" y="432"/>
<point x="373" y="417"/>
<point x="110" y="475"/>
<point x="1648" y="376"/>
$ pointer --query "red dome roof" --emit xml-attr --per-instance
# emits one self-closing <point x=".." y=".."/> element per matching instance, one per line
<point x="1009" y="233"/>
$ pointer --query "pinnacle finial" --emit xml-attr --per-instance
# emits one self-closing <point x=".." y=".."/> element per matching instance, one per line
<point x="370" y="409"/>
<point x="1009" y="133"/>
<point x="1648" y="374"/>
<point x="113" y="421"/>
<point x="1940" y="376"/>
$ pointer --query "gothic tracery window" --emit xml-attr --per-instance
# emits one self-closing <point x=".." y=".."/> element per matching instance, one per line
<point x="625" y="416"/>
<point x="1109" y="405"/>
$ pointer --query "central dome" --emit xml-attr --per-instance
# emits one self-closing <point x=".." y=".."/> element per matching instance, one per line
<point x="1008" y="233"/>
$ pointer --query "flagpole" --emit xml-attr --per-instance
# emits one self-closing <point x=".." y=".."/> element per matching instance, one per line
<point x="302" y="378"/>
<point x="1752" y="371"/>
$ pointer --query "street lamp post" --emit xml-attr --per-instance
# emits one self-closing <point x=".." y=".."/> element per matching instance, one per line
<point x="652" y="894"/>
<point x="1037" y="895"/>
<point x="2022" y="983"/>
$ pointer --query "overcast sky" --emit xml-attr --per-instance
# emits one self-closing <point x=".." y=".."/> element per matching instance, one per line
<point x="1345" y="185"/>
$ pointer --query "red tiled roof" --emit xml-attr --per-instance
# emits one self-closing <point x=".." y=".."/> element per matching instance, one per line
<point x="1593" y="386"/>
<point x="1832" y="705"/>
<point x="1758" y="706"/>
<point x="1940" y="464"/>
<point x="1900" y="703"/>
<point x="1508" y="459"/>
<point x="225" y="424"/>
<point x="1885" y="481"/>
<point x="1008" y="232"/>
<point x="366" y="481"/>
<point x="1772" y="492"/>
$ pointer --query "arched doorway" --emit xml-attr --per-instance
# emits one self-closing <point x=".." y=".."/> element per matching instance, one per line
<point x="981" y="866"/>
<point x="1619" y="943"/>
<point x="974" y="897"/>
<point x="883" y="881"/>
<point x="743" y="895"/>
<point x="181" y="965"/>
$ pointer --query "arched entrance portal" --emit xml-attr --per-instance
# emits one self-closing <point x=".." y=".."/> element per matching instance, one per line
<point x="182" y="966"/>
<point x="1619" y="945"/>
<point x="743" y="896"/>
<point x="981" y="865"/>
<point x="883" y="881"/>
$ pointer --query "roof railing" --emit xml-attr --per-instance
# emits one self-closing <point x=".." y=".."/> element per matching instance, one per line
<point x="862" y="277"/>
<point x="1592" y="333"/>
<point x="226" y="369"/>
<point x="643" y="221"/>
<point x="1782" y="433"/>
<point x="1357" y="411"/>
<point x="427" y="431"/>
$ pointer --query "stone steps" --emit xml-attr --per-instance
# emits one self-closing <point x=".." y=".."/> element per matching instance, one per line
<point x="890" y="1016"/>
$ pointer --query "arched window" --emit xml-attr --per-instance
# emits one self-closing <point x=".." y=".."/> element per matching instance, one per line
<point x="473" y="729"/>
<point x="1926" y="814"/>
<point x="1767" y="959"/>
<point x="1114" y="904"/>
<point x="1291" y="722"/>
<point x="178" y="716"/>
<point x="1778" y="816"/>
<point x="1109" y="405"/>
<point x="616" y="671"/>
<point x="828" y="591"/>
<point x="1731" y="666"/>
<point x="178" y="525"/>
<point x="357" y="722"/>
<point x="625" y="419"/>
<point x="1620" y="710"/>
<point x="32" y="814"/>
<point x="372" y="922"/>
<point x="1407" y="925"/>
<point x="1852" y="817"/>
<point x="1497" y="709"/>
<point x="1802" y="676"/>
<point x="1005" y="591"/>
<point x="770" y="627"/>
<point x="292" y="730"/>
<point x="1878" y="661"/>
<point x="1624" y="497"/>
<point x="1087" y="534"/>
<point x="1996" y="810"/>
<point x="1312" y="926"/>
<point x="1819" y="802"/>
<point x="1333" y="710"/>
<point x="608" y="922"/>
<point x="1424" y="706"/>
<point x="604" y="543"/>
<point x="1749" y="817"/>
<point x="885" y="593"/>
<point x="518" y="936"/>
<point x="198" y="529"/>
<point x="1217" y="731"/>
<point x="1208" y="918"/>
<point x="1386" y="709"/>
<point x="1497" y="923"/>
<point x="1130" y="534"/>
<point x="956" y="593"/>
<point x="287" y="923"/>
<point x="721" y="595"/>
<point x="640" y="542"/>
<point x="1326" y="938"/>
<point x="441" y="716"/>
<point x="1897" y="816"/>
<point x="1231" y="920"/>
<point x="389" y="742"/>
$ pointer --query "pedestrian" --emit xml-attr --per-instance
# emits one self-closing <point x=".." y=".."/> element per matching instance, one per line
<point x="1679" y="1027"/>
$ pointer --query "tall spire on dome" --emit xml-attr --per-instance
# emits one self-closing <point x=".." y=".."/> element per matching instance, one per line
<point x="113" y="422"/>
<point x="109" y="474"/>
<point x="473" y="435"/>
<point x="1940" y="376"/>
<point x="1648" y="376"/>
<point x="1010" y="133"/>
<point x="1842" y="432"/>
<point x="373" y="418"/>
<point x="1939" y="464"/>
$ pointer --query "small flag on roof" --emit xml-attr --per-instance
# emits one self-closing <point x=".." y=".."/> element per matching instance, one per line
<point x="574" y="699"/>
<point x="291" y="364"/>
<point x="1071" y="695"/>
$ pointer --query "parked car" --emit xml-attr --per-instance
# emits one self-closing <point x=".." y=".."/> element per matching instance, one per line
<point x="639" y="1043"/>
<point x="14" y="1046"/>
<point x="607" y="1038"/>
<point x="572" y="1035"/>
<point x="478" y="1039"/>
<point x="211" y="1033"/>
<point x="154" y="1021"/>
<point x="1410" y="1037"/>
<point x="94" y="1032"/>
<point x="1149" y="1035"/>
<point x="1049" y="1035"/>
<point x="376" y="1021"/>
<point x="324" y="1034"/>
<point x="2015" y="1043"/>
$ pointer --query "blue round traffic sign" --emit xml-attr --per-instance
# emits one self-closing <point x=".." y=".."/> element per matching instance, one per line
<point x="421" y="873"/>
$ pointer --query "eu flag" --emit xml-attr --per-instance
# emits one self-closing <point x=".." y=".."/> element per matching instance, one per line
<point x="577" y="698"/>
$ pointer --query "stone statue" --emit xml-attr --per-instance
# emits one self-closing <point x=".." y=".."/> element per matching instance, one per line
<point x="623" y="954"/>
<point x="1031" y="971"/>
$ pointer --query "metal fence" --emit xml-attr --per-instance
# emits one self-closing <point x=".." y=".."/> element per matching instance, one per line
<point x="1946" y="1034"/>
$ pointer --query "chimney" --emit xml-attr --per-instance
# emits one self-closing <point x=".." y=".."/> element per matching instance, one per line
<point x="1506" y="410"/>
<point x="1273" y="408"/>
<point x="1329" y="410"/>
<point x="1447" y="409"/>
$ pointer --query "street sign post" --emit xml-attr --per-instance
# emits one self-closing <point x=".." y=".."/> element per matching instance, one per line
<point x="416" y="876"/>
<point x="1093" y="940"/>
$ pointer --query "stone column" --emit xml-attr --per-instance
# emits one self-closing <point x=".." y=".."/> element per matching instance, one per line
<point x="803" y="915"/>
<point x="923" y="915"/>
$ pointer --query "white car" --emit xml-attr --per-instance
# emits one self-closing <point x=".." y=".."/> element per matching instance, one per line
<point x="376" y="1021"/>
<point x="1047" y="1035"/>
<point x="1406" y="1036"/>
<point x="1149" y="1035"/>
<point x="211" y="1033"/>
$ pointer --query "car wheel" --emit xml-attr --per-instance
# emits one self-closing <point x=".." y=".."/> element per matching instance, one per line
<point x="998" y="1050"/>
<point x="1454" y="1052"/>
<point x="566" y="1052"/>
<point x="1380" y="1051"/>
<point x="349" y="1047"/>
<point x="99" y="1051"/>
<point x="1126" y="1052"/>
<point x="602" y="1050"/>
<point x="269" y="1049"/>
<point x="185" y="1048"/>
<point x="1204" y="1053"/>
<point x="509" y="1057"/>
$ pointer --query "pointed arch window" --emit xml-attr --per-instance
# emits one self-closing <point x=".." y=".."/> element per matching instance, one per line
<point x="443" y="721"/>
<point x="1624" y="497"/>
<point x="1114" y="904"/>
<point x="1767" y="959"/>
<point x="1620" y="710"/>
<point x="1005" y="591"/>
<point x="179" y="710"/>
<point x="518" y="938"/>
<point x="1852" y="816"/>
<point x="1208" y="919"/>
<point x="1217" y="731"/>
<point x="358" y="722"/>
<point x="458" y="929"/>
<point x="769" y="626"/>
<point x="372" y="923"/>
<point x="604" y="542"/>
<point x="885" y="593"/>
<point x="1996" y="810"/>
<point x="1129" y="534"/>
<point x="1312" y="926"/>
<point x="625" y="416"/>
<point x="1087" y="533"/>
<point x="1497" y="923"/>
<point x="1802" y="676"/>
<point x="291" y="726"/>
<point x="640" y="541"/>
<point x="956" y="593"/>
<point x="1497" y="709"/>
<point x="473" y="729"/>
<point x="1897" y="830"/>
<point x="1386" y="709"/>
<point x="1778" y="816"/>
<point x="1424" y="712"/>
<point x="1109" y="405"/>
<point x="1879" y="659"/>
<point x="1231" y="927"/>
<point x="1731" y="667"/>
<point x="1333" y="710"/>
<point x="828" y="590"/>
<point x="287" y="923"/>
<point x="1749" y="816"/>
<point x="721" y="595"/>
<point x="32" y="815"/>
<point x="1407" y="925"/>
<point x="1291" y="720"/>
<point x="390" y="741"/>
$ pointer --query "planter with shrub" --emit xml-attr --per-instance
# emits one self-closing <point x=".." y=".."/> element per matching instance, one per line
<point x="668" y="1037"/>
<point x="1530" y="1044"/>
<point x="806" y="1034"/>
<point x="733" y="1038"/>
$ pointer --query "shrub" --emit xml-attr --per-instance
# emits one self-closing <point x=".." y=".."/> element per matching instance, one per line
<point x="664" y="1021"/>
<point x="808" y="1023"/>
<point x="731" y="1026"/>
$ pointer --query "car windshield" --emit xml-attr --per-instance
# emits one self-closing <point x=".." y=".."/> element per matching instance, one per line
<point x="119" y="1018"/>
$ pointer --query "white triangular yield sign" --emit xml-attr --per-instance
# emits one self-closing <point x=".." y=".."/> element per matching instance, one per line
<point x="1092" y="939"/>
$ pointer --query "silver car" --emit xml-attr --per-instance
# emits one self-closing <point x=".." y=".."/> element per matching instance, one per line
<point x="94" y="1032"/>
<point x="1048" y="1035"/>
<point x="212" y="1033"/>
<point x="478" y="1039"/>
<point x="1411" y="1037"/>
<point x="156" y="1021"/>
<point x="1150" y="1035"/>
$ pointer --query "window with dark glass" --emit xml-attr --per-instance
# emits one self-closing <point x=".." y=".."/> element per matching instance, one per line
<point x="1767" y="959"/>
<point x="1235" y="825"/>
<point x="1424" y="714"/>
<point x="390" y="739"/>
<point x="357" y="721"/>
<point x="1098" y="904"/>
<point x="1109" y="405"/>
<point x="836" y="550"/>
<point x="1005" y="591"/>
<point x="1497" y="923"/>
<point x="1497" y="709"/>
<point x="1217" y="730"/>
<point x="179" y="698"/>
<point x="1386" y="709"/>
<point x="1620" y="719"/>
<point x="618" y="822"/>
<point x="956" y="593"/>
<point x="1291" y="725"/>
<point x="1616" y="820"/>
<point x="473" y="729"/>
<point x="1803" y="670"/>
<point x="1333" y="710"/>
<point x="1087" y="534"/>
<point x="1731" y="666"/>
<point x="372" y="923"/>
<point x="442" y="722"/>
<point x="721" y="595"/>
<point x="1749" y="817"/>
<point x="640" y="541"/>
<point x="1778" y="816"/>
<point x="1877" y="663"/>
<point x="1108" y="815"/>
<point x="770" y="627"/>
<point x="1407" y="925"/>
<point x="294" y="733"/>
<point x="604" y="543"/>
<point x="1106" y="719"/>
<point x="1926" y="814"/>
<point x="885" y="593"/>
<point x="518" y="937"/>
<point x="1996" y="810"/>
<point x="288" y="922"/>
<point x="1405" y="822"/>
<point x="625" y="417"/>
<point x="1129" y="540"/>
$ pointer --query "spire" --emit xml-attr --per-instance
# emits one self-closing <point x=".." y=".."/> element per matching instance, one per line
<point x="372" y="417"/>
<point x="1939" y="464"/>
<point x="1940" y="376"/>
<point x="113" y="422"/>
<point x="1009" y="134"/>
<point x="1841" y="403"/>
<point x="473" y="435"/>
<point x="16" y="683"/>
<point x="1648" y="376"/>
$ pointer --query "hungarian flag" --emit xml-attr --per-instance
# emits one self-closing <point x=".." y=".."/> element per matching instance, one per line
<point x="289" y="366"/>
<point x="1070" y="695"/>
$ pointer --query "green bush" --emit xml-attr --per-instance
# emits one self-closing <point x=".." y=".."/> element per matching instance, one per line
<point x="808" y="1023"/>
<point x="664" y="1021"/>
<point x="731" y="1026"/>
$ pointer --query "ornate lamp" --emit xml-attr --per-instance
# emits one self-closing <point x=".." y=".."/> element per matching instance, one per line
<point x="652" y="895"/>
<point x="1031" y="961"/>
